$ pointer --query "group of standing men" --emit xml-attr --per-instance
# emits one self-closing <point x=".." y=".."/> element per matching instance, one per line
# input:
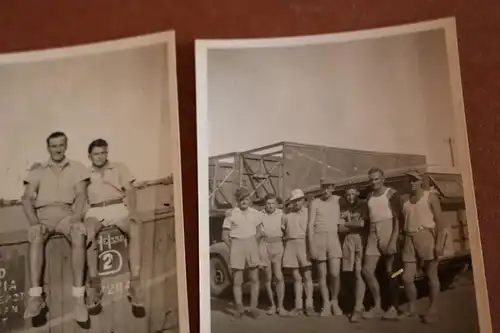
<point x="294" y="238"/>
<point x="62" y="196"/>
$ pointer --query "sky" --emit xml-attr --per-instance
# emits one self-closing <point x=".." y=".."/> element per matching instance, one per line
<point x="116" y="96"/>
<point x="389" y="94"/>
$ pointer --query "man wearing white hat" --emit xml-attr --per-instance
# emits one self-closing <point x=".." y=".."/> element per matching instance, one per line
<point x="295" y="255"/>
<point x="324" y="245"/>
<point x="425" y="238"/>
<point x="241" y="229"/>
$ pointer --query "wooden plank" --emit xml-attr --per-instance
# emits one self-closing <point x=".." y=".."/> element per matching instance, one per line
<point x="157" y="310"/>
<point x="68" y="301"/>
<point x="12" y="288"/>
<point x="54" y="278"/>
<point x="148" y="237"/>
<point x="171" y="317"/>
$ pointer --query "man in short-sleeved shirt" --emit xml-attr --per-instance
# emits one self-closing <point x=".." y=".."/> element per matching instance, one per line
<point x="242" y="228"/>
<point x="112" y="200"/>
<point x="54" y="202"/>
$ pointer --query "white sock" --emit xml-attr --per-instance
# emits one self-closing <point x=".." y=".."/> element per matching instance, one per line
<point x="78" y="291"/>
<point x="35" y="291"/>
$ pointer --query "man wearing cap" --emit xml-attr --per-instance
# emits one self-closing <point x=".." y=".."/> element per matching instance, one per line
<point x="272" y="253"/>
<point x="242" y="228"/>
<point x="54" y="201"/>
<point x="425" y="237"/>
<point x="354" y="213"/>
<point x="324" y="244"/>
<point x="384" y="206"/>
<point x="295" y="256"/>
<point x="113" y="202"/>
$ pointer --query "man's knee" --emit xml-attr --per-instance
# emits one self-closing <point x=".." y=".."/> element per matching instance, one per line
<point x="77" y="233"/>
<point x="36" y="233"/>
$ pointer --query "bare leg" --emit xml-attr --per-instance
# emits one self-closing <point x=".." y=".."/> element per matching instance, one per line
<point x="309" y="287"/>
<point x="269" y="288"/>
<point x="135" y="249"/>
<point x="371" y="280"/>
<point x="237" y="283"/>
<point x="280" y="286"/>
<point x="78" y="255"/>
<point x="360" y="290"/>
<point x="325" y="293"/>
<point x="255" y="289"/>
<point x="334" y="272"/>
<point x="298" y="289"/>
<point x="36" y="259"/>
<point x="410" y="270"/>
<point x="434" y="285"/>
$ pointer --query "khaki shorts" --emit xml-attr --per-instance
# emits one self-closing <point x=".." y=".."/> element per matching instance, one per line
<point x="378" y="238"/>
<point x="57" y="219"/>
<point x="244" y="253"/>
<point x="113" y="215"/>
<point x="295" y="254"/>
<point x="420" y="246"/>
<point x="271" y="251"/>
<point x="326" y="246"/>
<point x="352" y="251"/>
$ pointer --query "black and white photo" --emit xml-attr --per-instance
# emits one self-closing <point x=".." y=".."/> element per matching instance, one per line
<point x="91" y="234"/>
<point x="335" y="187"/>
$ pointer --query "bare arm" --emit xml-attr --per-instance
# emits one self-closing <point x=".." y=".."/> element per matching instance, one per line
<point x="28" y="204"/>
<point x="438" y="219"/>
<point x="225" y="237"/>
<point x="131" y="198"/>
<point x="80" y="201"/>
<point x="395" y="202"/>
<point x="310" y="222"/>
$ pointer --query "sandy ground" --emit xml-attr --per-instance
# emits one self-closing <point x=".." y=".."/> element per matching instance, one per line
<point x="458" y="315"/>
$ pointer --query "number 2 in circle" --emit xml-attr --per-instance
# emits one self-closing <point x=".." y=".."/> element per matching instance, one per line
<point x="108" y="261"/>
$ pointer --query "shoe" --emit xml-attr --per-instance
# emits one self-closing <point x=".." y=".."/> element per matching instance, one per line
<point x="34" y="306"/>
<point x="240" y="312"/>
<point x="282" y="312"/>
<point x="136" y="293"/>
<point x="373" y="313"/>
<point x="356" y="316"/>
<point x="391" y="314"/>
<point x="336" y="310"/>
<point x="271" y="311"/>
<point x="80" y="312"/>
<point x="254" y="313"/>
<point x="94" y="294"/>
<point x="296" y="312"/>
<point x="310" y="311"/>
<point x="409" y="314"/>
<point x="326" y="311"/>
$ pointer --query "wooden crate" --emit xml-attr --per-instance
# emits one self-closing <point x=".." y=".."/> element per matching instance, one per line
<point x="158" y="274"/>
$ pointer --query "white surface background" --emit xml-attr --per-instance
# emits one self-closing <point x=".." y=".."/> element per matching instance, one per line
<point x="118" y="96"/>
<point x="383" y="94"/>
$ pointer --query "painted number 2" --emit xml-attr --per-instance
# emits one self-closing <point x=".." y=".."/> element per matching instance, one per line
<point x="112" y="262"/>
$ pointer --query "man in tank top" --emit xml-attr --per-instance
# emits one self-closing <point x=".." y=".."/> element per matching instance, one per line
<point x="324" y="245"/>
<point x="384" y="207"/>
<point x="425" y="239"/>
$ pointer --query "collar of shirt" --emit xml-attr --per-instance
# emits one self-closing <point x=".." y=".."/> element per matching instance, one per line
<point x="109" y="165"/>
<point x="276" y="211"/>
<point x="50" y="163"/>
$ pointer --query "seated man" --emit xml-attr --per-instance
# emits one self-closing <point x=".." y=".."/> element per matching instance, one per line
<point x="54" y="201"/>
<point x="113" y="201"/>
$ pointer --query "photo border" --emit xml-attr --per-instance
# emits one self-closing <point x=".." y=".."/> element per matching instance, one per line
<point x="202" y="46"/>
<point x="122" y="44"/>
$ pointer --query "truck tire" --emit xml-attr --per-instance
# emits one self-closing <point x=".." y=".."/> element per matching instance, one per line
<point x="220" y="280"/>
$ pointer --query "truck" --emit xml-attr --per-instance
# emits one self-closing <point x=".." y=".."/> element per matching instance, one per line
<point x="279" y="168"/>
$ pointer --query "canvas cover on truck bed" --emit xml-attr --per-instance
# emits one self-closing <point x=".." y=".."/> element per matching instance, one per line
<point x="281" y="167"/>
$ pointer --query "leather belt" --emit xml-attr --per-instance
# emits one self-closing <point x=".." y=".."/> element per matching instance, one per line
<point x="107" y="203"/>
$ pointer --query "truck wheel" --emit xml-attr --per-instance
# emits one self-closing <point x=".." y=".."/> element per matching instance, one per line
<point x="220" y="281"/>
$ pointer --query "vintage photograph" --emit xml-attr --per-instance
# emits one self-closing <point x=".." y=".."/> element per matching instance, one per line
<point x="335" y="186"/>
<point x="91" y="233"/>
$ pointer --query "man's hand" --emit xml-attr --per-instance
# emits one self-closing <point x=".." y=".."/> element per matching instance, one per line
<point x="438" y="252"/>
<point x="312" y="253"/>
<point x="135" y="218"/>
<point x="392" y="248"/>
